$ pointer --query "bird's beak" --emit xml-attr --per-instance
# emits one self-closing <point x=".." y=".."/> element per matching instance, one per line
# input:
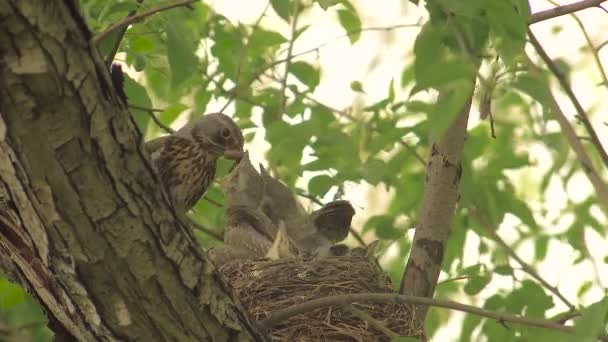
<point x="234" y="154"/>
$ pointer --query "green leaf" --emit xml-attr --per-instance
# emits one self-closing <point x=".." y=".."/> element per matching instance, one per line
<point x="357" y="86"/>
<point x="138" y="96"/>
<point x="282" y="7"/>
<point x="261" y="40"/>
<point x="373" y="170"/>
<point x="349" y="19"/>
<point x="141" y="44"/>
<point x="504" y="270"/>
<point x="171" y="113"/>
<point x="592" y="322"/>
<point x="383" y="226"/>
<point x="534" y="86"/>
<point x="181" y="54"/>
<point x="325" y="4"/>
<point x="320" y="185"/>
<point x="449" y="104"/>
<point x="477" y="283"/>
<point x="306" y="74"/>
<point x="541" y="244"/>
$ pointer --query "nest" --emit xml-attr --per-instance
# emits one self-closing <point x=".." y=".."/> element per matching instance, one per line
<point x="264" y="286"/>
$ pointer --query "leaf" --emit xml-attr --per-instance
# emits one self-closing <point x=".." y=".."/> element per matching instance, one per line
<point x="141" y="44"/>
<point x="282" y="7"/>
<point x="533" y="86"/>
<point x="541" y="244"/>
<point x="320" y="185"/>
<point x="373" y="170"/>
<point x="138" y="96"/>
<point x="325" y="4"/>
<point x="383" y="226"/>
<point x="306" y="74"/>
<point x="261" y="40"/>
<point x="357" y="86"/>
<point x="477" y="283"/>
<point x="592" y="322"/>
<point x="448" y="105"/>
<point x="180" y="53"/>
<point x="350" y="21"/>
<point x="171" y="113"/>
<point x="504" y="270"/>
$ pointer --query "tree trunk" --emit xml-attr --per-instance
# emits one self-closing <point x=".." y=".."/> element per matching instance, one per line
<point x="85" y="227"/>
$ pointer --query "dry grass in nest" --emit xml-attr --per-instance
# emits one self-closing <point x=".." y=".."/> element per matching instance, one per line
<point x="264" y="286"/>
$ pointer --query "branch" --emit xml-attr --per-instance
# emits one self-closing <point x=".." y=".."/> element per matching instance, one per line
<point x="594" y="50"/>
<point x="119" y="35"/>
<point x="563" y="10"/>
<point x="136" y="18"/>
<point x="564" y="83"/>
<point x="524" y="265"/>
<point x="599" y="185"/>
<point x="151" y="112"/>
<point x="383" y="298"/>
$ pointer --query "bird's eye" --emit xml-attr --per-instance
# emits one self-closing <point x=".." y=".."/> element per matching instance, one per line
<point x="225" y="132"/>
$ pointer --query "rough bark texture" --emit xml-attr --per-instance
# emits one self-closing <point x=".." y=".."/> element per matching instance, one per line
<point x="84" y="225"/>
<point x="443" y="173"/>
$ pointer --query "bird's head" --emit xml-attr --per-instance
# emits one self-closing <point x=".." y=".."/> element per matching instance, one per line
<point x="218" y="134"/>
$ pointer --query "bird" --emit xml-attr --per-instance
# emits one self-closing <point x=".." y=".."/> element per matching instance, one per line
<point x="186" y="160"/>
<point x="333" y="220"/>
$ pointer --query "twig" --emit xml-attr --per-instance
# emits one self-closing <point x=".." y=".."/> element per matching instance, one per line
<point x="364" y="316"/>
<point x="454" y="279"/>
<point x="138" y="17"/>
<point x="206" y="230"/>
<point x="563" y="10"/>
<point x="214" y="202"/>
<point x="564" y="83"/>
<point x="294" y="27"/>
<point x="491" y="231"/>
<point x="594" y="50"/>
<point x="347" y="299"/>
<point x="357" y="237"/>
<point x="151" y="112"/>
<point x="119" y="35"/>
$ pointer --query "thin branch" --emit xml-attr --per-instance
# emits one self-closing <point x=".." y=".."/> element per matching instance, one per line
<point x="138" y="17"/>
<point x="347" y="299"/>
<point x="119" y="35"/>
<point x="357" y="237"/>
<point x="564" y="83"/>
<point x="151" y="112"/>
<point x="491" y="231"/>
<point x="364" y="316"/>
<point x="206" y="230"/>
<point x="294" y="27"/>
<point x="214" y="202"/>
<point x="563" y="10"/>
<point x="594" y="50"/>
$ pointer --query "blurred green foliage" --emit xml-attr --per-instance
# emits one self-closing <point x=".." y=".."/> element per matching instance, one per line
<point x="186" y="59"/>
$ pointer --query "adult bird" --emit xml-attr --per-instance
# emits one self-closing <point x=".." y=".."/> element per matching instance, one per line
<point x="186" y="160"/>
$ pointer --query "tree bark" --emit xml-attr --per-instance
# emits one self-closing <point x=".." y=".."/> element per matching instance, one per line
<point x="84" y="225"/>
<point x="441" y="193"/>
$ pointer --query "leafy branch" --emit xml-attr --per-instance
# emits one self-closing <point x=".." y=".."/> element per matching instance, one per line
<point x="137" y="18"/>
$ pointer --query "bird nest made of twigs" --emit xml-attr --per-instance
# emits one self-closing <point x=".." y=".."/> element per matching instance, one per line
<point x="265" y="286"/>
